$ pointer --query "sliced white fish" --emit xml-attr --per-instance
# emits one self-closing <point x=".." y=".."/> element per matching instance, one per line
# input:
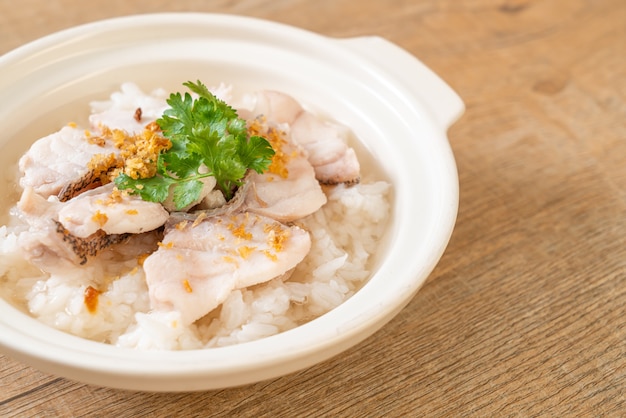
<point x="289" y="190"/>
<point x="197" y="266"/>
<point x="328" y="151"/>
<point x="73" y="231"/>
<point x="46" y="243"/>
<point x="129" y="109"/>
<point x="106" y="208"/>
<point x="325" y="142"/>
<point x="275" y="106"/>
<point x="59" y="158"/>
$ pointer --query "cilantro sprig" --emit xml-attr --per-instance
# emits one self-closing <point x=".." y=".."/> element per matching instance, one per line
<point x="208" y="139"/>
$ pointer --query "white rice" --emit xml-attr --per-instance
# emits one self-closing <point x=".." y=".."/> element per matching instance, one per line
<point x="345" y="234"/>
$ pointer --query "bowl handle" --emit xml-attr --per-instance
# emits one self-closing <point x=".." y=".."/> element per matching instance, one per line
<point x="446" y="106"/>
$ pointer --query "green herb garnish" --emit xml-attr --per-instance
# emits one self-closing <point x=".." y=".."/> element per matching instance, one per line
<point x="204" y="132"/>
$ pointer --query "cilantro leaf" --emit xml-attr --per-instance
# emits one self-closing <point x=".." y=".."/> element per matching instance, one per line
<point x="258" y="154"/>
<point x="182" y="166"/>
<point x="187" y="192"/>
<point x="152" y="189"/>
<point x="208" y="139"/>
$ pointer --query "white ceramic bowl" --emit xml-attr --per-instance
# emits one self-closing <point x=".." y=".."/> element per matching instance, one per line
<point x="397" y="107"/>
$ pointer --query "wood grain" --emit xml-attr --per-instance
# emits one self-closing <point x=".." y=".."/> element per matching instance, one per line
<point x="525" y="315"/>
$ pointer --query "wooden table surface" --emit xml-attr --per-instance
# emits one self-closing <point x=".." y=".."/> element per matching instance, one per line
<point x="525" y="315"/>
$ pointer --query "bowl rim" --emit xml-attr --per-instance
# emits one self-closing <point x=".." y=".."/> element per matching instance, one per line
<point x="47" y="347"/>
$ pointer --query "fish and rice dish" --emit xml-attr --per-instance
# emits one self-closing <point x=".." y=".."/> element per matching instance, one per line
<point x="188" y="221"/>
